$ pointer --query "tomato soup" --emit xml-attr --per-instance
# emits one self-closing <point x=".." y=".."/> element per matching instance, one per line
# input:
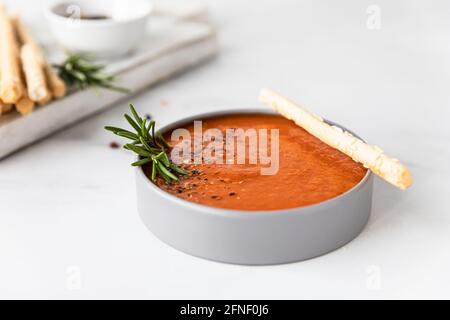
<point x="308" y="170"/>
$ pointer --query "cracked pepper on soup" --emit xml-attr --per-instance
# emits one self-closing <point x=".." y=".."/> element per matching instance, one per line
<point x="283" y="166"/>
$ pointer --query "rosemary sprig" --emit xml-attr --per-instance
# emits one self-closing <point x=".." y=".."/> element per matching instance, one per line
<point x="80" y="71"/>
<point x="150" y="146"/>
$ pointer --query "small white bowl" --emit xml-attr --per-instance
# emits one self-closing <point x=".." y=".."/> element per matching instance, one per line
<point x="114" y="36"/>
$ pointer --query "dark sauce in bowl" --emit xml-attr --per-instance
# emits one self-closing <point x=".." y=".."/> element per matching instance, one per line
<point x="73" y="11"/>
<point x="88" y="16"/>
<point x="94" y="17"/>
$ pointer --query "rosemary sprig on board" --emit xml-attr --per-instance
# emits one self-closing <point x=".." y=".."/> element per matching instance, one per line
<point x="82" y="72"/>
<point x="151" y="147"/>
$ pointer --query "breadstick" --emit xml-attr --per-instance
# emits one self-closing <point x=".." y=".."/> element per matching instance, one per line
<point x="22" y="32"/>
<point x="55" y="83"/>
<point x="34" y="74"/>
<point x="25" y="105"/>
<point x="371" y="157"/>
<point x="11" y="87"/>
<point x="5" y="107"/>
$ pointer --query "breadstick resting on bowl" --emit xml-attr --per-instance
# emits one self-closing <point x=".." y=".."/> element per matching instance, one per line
<point x="372" y="157"/>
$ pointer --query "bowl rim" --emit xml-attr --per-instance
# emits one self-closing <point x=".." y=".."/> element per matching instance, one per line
<point x="241" y="213"/>
<point x="50" y="14"/>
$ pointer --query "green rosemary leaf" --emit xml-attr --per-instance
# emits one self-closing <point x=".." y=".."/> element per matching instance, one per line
<point x="153" y="171"/>
<point x="135" y="114"/>
<point x="141" y="162"/>
<point x="161" y="140"/>
<point x="160" y="173"/>
<point x="152" y="150"/>
<point x="151" y="124"/>
<point x="113" y="129"/>
<point x="101" y="77"/>
<point x="146" y="145"/>
<point x="139" y="150"/>
<point x="127" y="134"/>
<point x="149" y="146"/>
<point x="153" y="132"/>
<point x="122" y="132"/>
<point x="167" y="172"/>
<point x="177" y="169"/>
<point x="81" y="71"/>
<point x="132" y="123"/>
<point x="79" y="75"/>
<point x="164" y="159"/>
<point x="144" y="128"/>
<point x="114" y="88"/>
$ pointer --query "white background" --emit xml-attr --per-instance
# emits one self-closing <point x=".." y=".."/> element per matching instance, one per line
<point x="67" y="204"/>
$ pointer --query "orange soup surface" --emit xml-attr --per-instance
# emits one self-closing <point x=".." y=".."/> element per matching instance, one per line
<point x="309" y="171"/>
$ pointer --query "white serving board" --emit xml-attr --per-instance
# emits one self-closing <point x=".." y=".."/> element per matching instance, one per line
<point x="170" y="47"/>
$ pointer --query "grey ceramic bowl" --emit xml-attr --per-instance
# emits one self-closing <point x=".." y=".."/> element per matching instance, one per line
<point x="256" y="237"/>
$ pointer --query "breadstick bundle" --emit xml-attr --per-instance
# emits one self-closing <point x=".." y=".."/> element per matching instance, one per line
<point x="371" y="157"/>
<point x="34" y="74"/>
<point x="26" y="78"/>
<point x="11" y="86"/>
<point x="5" y="107"/>
<point x="55" y="84"/>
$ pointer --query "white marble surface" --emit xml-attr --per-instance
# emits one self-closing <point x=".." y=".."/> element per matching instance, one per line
<point x="67" y="204"/>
